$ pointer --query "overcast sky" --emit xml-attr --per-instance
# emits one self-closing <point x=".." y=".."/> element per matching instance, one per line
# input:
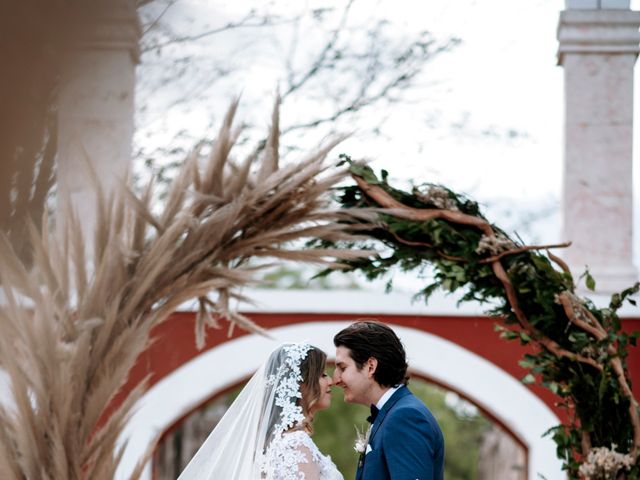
<point x="489" y="120"/>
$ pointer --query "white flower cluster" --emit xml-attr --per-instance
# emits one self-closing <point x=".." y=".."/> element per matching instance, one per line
<point x="604" y="464"/>
<point x="436" y="196"/>
<point x="494" y="245"/>
<point x="287" y="380"/>
<point x="362" y="439"/>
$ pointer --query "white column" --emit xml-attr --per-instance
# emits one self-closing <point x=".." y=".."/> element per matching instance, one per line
<point x="598" y="46"/>
<point x="96" y="103"/>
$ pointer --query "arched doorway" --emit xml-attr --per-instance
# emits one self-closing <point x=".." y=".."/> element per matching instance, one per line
<point x="513" y="405"/>
<point x="477" y="447"/>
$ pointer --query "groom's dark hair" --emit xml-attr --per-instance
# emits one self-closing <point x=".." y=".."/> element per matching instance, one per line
<point x="373" y="339"/>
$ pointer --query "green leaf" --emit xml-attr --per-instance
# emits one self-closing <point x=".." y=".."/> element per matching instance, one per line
<point x="509" y="335"/>
<point x="389" y="286"/>
<point x="525" y="338"/>
<point x="590" y="282"/>
<point x="365" y="172"/>
<point x="602" y="388"/>
<point x="553" y="430"/>
<point x="449" y="285"/>
<point x="528" y="379"/>
<point x="527" y="363"/>
<point x="344" y="158"/>
<point x="553" y="386"/>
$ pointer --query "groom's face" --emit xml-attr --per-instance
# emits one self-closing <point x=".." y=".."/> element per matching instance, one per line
<point x="356" y="382"/>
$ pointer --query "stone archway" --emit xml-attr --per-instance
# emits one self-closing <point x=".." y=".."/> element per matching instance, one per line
<point x="502" y="396"/>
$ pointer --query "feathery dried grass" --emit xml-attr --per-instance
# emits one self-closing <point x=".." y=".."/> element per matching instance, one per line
<point x="72" y="327"/>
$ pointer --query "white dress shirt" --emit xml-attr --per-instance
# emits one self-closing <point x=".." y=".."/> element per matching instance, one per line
<point x="386" y="396"/>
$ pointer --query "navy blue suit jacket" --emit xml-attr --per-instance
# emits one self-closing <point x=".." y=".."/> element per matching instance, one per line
<point x="406" y="442"/>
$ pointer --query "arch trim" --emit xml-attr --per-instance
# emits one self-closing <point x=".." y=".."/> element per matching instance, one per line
<point x="430" y="356"/>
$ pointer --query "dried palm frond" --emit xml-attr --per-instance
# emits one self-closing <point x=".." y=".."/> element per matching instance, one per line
<point x="72" y="327"/>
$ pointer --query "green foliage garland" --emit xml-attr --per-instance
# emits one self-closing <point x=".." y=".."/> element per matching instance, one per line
<point x="581" y="350"/>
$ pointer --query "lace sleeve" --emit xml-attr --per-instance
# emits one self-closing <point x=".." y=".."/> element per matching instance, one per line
<point x="309" y="469"/>
<point x="292" y="457"/>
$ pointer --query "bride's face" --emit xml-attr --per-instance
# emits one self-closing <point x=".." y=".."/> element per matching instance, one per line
<point x="324" y="401"/>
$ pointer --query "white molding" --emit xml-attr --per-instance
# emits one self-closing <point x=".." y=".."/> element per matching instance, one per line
<point x="369" y="302"/>
<point x="429" y="356"/>
<point x="598" y="31"/>
<point x="597" y="4"/>
<point x="110" y="25"/>
<point x="359" y="302"/>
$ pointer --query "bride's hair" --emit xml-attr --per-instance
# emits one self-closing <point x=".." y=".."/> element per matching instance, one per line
<point x="311" y="368"/>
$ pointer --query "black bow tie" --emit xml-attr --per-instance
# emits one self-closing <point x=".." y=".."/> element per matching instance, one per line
<point x="374" y="413"/>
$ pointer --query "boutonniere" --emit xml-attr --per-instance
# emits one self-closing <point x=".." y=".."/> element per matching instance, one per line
<point x="362" y="440"/>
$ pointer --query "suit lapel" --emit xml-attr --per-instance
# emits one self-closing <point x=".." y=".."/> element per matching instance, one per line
<point x="397" y="395"/>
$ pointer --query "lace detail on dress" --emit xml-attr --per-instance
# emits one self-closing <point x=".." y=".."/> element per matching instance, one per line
<point x="286" y="454"/>
<point x="287" y="380"/>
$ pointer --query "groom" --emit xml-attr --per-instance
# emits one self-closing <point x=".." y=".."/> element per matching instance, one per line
<point x="405" y="441"/>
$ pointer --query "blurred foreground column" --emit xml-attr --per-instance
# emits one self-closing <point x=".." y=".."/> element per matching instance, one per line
<point x="96" y="103"/>
<point x="598" y="46"/>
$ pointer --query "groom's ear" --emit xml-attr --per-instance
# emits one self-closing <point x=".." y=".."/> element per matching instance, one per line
<point x="371" y="366"/>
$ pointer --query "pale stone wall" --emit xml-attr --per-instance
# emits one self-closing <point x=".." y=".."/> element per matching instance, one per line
<point x="95" y="111"/>
<point x="96" y="104"/>
<point x="598" y="50"/>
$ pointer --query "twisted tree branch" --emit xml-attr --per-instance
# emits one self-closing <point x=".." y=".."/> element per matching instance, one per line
<point x="384" y="199"/>
<point x="594" y="328"/>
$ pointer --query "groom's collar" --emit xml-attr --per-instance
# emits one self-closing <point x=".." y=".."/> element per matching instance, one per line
<point x="394" y="396"/>
<point x="386" y="396"/>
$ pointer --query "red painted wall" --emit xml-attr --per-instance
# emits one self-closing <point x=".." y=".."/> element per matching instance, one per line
<point x="174" y="344"/>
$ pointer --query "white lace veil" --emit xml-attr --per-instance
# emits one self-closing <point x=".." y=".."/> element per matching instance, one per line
<point x="266" y="407"/>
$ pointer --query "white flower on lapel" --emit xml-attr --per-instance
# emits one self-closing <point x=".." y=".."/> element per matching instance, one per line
<point x="362" y="440"/>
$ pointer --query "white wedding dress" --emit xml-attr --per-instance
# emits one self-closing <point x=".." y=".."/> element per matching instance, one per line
<point x="261" y="435"/>
<point x="294" y="456"/>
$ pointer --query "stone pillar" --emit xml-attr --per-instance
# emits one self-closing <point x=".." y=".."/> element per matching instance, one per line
<point x="96" y="103"/>
<point x="598" y="46"/>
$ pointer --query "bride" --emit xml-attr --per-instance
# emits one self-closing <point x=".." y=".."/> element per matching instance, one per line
<point x="266" y="433"/>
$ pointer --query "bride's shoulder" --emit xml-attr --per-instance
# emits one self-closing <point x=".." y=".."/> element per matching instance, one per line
<point x="293" y="449"/>
<point x="287" y="452"/>
<point x="297" y="438"/>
